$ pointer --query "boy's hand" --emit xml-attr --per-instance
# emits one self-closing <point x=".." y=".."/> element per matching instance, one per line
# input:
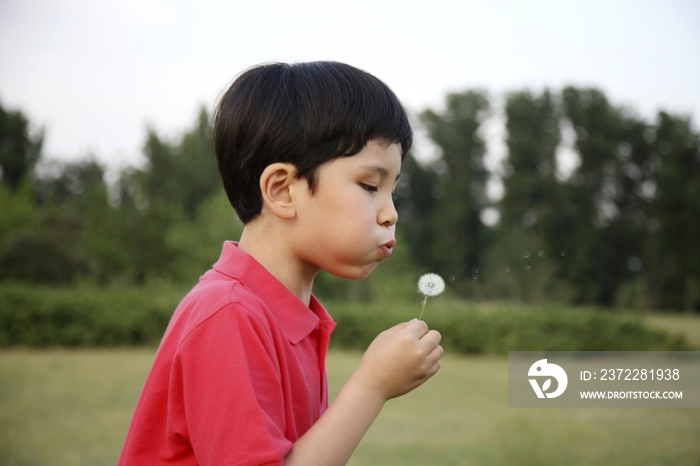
<point x="397" y="361"/>
<point x="400" y="359"/>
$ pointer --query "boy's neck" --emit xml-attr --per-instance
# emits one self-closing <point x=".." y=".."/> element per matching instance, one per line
<point x="272" y="251"/>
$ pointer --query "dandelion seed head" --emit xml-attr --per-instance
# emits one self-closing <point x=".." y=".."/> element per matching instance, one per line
<point x="431" y="284"/>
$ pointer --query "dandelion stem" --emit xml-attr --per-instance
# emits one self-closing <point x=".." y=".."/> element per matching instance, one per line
<point x="425" y="300"/>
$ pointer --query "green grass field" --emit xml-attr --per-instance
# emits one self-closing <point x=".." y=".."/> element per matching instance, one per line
<point x="684" y="324"/>
<point x="72" y="407"/>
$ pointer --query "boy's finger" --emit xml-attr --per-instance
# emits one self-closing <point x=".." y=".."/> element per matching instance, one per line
<point x="400" y="326"/>
<point x="433" y="369"/>
<point x="418" y="328"/>
<point x="431" y="338"/>
<point x="435" y="354"/>
<point x="432" y="360"/>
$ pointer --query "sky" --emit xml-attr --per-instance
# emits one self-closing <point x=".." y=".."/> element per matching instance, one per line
<point x="96" y="74"/>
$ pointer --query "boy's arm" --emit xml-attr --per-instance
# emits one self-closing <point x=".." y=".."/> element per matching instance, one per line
<point x="398" y="360"/>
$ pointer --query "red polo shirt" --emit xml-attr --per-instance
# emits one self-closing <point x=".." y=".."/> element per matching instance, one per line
<point x="239" y="375"/>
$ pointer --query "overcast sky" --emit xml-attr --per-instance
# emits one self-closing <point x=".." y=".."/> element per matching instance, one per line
<point x="95" y="73"/>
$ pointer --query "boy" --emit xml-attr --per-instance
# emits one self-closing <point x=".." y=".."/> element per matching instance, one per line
<point x="309" y="155"/>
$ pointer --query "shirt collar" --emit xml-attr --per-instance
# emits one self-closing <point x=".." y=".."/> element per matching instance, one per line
<point x="295" y="318"/>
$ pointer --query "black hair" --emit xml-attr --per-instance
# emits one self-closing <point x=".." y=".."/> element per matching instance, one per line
<point x="304" y="114"/>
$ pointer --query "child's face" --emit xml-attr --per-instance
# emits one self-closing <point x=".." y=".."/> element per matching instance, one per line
<point x="347" y="225"/>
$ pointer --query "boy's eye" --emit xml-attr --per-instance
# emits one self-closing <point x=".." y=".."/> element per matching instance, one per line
<point x="369" y="188"/>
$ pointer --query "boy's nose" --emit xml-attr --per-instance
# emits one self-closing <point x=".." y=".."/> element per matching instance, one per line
<point x="388" y="215"/>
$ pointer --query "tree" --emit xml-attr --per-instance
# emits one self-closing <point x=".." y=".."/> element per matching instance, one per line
<point x="674" y="228"/>
<point x="534" y="217"/>
<point x="597" y="263"/>
<point x="415" y="205"/>
<point x="458" y="239"/>
<point x="531" y="196"/>
<point x="614" y="191"/>
<point x="19" y="151"/>
<point x="184" y="173"/>
<point x="157" y="200"/>
<point x="58" y="245"/>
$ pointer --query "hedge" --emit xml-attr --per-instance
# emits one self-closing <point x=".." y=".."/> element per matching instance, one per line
<point x="35" y="316"/>
<point x="32" y="316"/>
<point x="475" y="329"/>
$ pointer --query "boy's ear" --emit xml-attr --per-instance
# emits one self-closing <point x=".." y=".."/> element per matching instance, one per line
<point x="277" y="184"/>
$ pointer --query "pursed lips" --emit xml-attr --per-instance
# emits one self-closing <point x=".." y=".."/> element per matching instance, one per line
<point x="388" y="247"/>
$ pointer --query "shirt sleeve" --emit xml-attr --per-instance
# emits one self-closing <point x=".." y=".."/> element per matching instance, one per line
<point x="226" y="391"/>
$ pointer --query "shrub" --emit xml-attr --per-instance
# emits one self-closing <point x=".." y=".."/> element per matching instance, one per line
<point x="40" y="316"/>
<point x="75" y="316"/>
<point x="471" y="329"/>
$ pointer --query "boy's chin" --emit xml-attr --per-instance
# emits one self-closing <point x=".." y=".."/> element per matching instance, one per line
<point x="355" y="274"/>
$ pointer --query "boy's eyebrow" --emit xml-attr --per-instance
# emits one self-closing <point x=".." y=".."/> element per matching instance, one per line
<point x="378" y="169"/>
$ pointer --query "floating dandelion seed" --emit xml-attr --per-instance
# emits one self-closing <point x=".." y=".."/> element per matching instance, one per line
<point x="508" y="269"/>
<point x="541" y="253"/>
<point x="563" y="254"/>
<point x="527" y="268"/>
<point x="430" y="284"/>
<point x="525" y="255"/>
<point x="452" y="278"/>
<point x="475" y="273"/>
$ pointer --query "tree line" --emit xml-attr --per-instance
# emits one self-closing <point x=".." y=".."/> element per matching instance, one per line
<point x="619" y="230"/>
<point x="62" y="222"/>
